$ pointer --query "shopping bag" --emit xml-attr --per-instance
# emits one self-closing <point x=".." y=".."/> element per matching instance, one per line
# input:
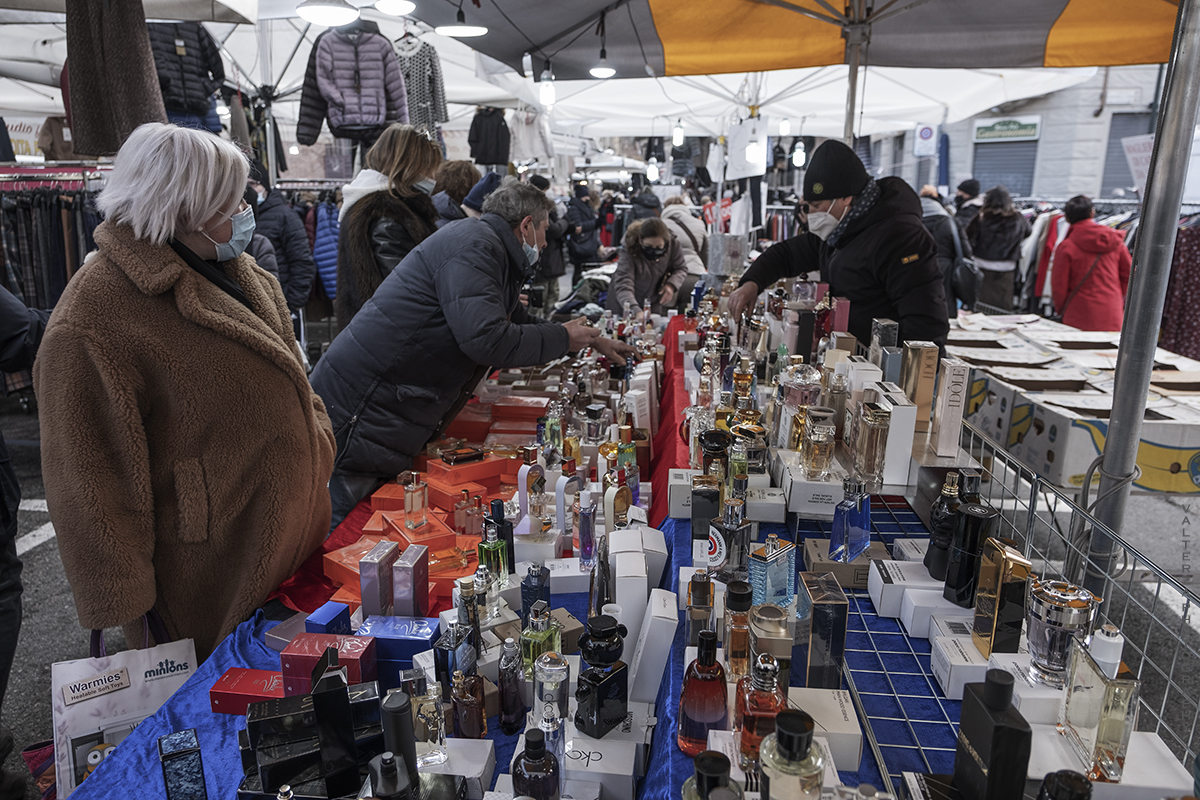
<point x="98" y="701"/>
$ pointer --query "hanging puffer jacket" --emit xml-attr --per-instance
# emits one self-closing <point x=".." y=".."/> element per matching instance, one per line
<point x="325" y="249"/>
<point x="360" y="78"/>
<point x="188" y="63"/>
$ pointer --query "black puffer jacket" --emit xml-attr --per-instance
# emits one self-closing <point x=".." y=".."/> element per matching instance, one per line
<point x="941" y="225"/>
<point x="489" y="136"/>
<point x="996" y="237"/>
<point x="448" y="210"/>
<point x="187" y="80"/>
<point x="885" y="264"/>
<point x="646" y="205"/>
<point x="411" y="358"/>
<point x="282" y="226"/>
<point x="553" y="263"/>
<point x="21" y="332"/>
<point x="582" y="246"/>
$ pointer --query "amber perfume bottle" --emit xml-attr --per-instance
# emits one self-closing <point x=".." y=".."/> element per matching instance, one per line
<point x="602" y="695"/>
<point x="759" y="700"/>
<point x="943" y="516"/>
<point x="739" y="597"/>
<point x="816" y="454"/>
<point x="470" y="717"/>
<point x="994" y="741"/>
<point x="703" y="702"/>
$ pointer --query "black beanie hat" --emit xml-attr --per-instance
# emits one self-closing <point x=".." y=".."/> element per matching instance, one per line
<point x="969" y="186"/>
<point x="834" y="171"/>
<point x="259" y="174"/>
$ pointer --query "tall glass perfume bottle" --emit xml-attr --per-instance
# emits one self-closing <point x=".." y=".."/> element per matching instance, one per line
<point x="739" y="462"/>
<point x="453" y="652"/>
<point x="729" y="543"/>
<point x="460" y="513"/>
<point x="602" y="696"/>
<point x="704" y="699"/>
<point x="585" y="530"/>
<point x="535" y="586"/>
<point x="468" y="611"/>
<point x="773" y="571"/>
<point x="700" y="606"/>
<point x="527" y="476"/>
<point x="759" y="700"/>
<point x="819" y="643"/>
<point x="942" y="520"/>
<point x="470" y="716"/>
<point x="416" y="502"/>
<point x="541" y="635"/>
<point x="429" y="724"/>
<point x="491" y="550"/>
<point x="790" y="766"/>
<point x="975" y="524"/>
<point x="512" y="708"/>
<point x="535" y="772"/>
<point x="474" y="517"/>
<point x="600" y="588"/>
<point x="594" y="430"/>
<point x="487" y="594"/>
<point x="994" y="741"/>
<point x="617" y="502"/>
<point x="871" y="445"/>
<point x="816" y="454"/>
<point x="711" y="779"/>
<point x="850" y="536"/>
<point x="1098" y="716"/>
<point x="835" y="397"/>
<point x="739" y="598"/>
<point x="504" y="532"/>
<point x="552" y="674"/>
<point x="565" y="490"/>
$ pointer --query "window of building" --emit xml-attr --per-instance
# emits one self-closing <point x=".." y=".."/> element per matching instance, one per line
<point x="1116" y="167"/>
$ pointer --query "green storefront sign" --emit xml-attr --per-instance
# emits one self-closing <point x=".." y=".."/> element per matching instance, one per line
<point x="1006" y="129"/>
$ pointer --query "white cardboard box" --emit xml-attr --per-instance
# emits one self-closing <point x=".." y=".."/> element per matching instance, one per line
<point x="888" y="580"/>
<point x="1038" y="703"/>
<point x="653" y="648"/>
<point x="654" y="545"/>
<point x="543" y="547"/>
<point x="958" y="622"/>
<point x="577" y="790"/>
<point x="837" y="722"/>
<point x="1151" y="771"/>
<point x="726" y="742"/>
<point x="901" y="430"/>
<point x="474" y="759"/>
<point x="608" y="763"/>
<point x="631" y="590"/>
<point x="566" y="577"/>
<point x="815" y="499"/>
<point x="918" y="605"/>
<point x="627" y="540"/>
<point x="679" y="492"/>
<point x="637" y="729"/>
<point x="766" y="505"/>
<point x="956" y="662"/>
<point x="949" y="406"/>
<point x="905" y="549"/>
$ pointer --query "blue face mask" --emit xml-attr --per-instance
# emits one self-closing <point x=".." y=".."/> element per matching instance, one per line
<point x="532" y="254"/>
<point x="243" y="232"/>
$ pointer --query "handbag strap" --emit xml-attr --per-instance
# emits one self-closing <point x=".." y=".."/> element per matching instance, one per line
<point x="152" y="624"/>
<point x="684" y="228"/>
<point x="1075" y="291"/>
<point x="958" y="253"/>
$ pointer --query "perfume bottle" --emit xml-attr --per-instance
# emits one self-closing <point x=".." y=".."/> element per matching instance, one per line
<point x="535" y="586"/>
<point x="504" y="532"/>
<point x="994" y="741"/>
<point x="1058" y="613"/>
<point x="743" y="378"/>
<point x="468" y="611"/>
<point x="626" y="451"/>
<point x="429" y="723"/>
<point x="816" y="454"/>
<point x="704" y="698"/>
<point x="739" y="461"/>
<point x="729" y="543"/>
<point x="1065" y="785"/>
<point x="975" y="524"/>
<point x="586" y="530"/>
<point x="871" y="445"/>
<point x="700" y="606"/>
<point x="942" y="519"/>
<point x="850" y="535"/>
<point x="1000" y="598"/>
<point x="470" y="719"/>
<point x="968" y="486"/>
<point x="835" y="397"/>
<point x="512" y="708"/>
<point x="736" y="642"/>
<point x="759" y="700"/>
<point x="541" y="635"/>
<point x="617" y="501"/>
<point x="790" y="767"/>
<point x="473" y="517"/>
<point x="706" y="505"/>
<point x="600" y="588"/>
<point x="535" y="772"/>
<point x="491" y="550"/>
<point x="1097" y="716"/>
<point x="460" y="513"/>
<point x="551" y="686"/>
<point x="416" y="502"/>
<point x="819" y="643"/>
<point x="453" y="652"/>
<point x="540" y="511"/>
<point x="554" y="430"/>
<point x="594" y="429"/>
<point x="527" y="477"/>
<point x="773" y="571"/>
<point x="602" y="696"/>
<point x="1106" y="649"/>
<point x="711" y="779"/>
<point x="566" y="488"/>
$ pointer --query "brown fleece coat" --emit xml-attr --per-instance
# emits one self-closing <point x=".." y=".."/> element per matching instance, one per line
<point x="186" y="457"/>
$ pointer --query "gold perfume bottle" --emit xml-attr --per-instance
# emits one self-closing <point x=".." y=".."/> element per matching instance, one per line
<point x="1000" y="598"/>
<point x="817" y="453"/>
<point x="743" y="378"/>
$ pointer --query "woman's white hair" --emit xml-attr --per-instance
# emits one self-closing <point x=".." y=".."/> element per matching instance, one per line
<point x="168" y="180"/>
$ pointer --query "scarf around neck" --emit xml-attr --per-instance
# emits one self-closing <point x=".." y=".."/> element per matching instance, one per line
<point x="859" y="207"/>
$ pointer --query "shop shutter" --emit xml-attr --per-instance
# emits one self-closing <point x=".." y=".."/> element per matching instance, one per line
<point x="897" y="153"/>
<point x="1116" y="168"/>
<point x="1006" y="163"/>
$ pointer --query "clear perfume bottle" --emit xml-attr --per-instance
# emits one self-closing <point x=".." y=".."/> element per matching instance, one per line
<point x="700" y="606"/>
<point x="491" y="550"/>
<point x="429" y="724"/>
<point x="835" y="397"/>
<point x="790" y="765"/>
<point x="540" y="520"/>
<point x="594" y="430"/>
<point x="585" y="530"/>
<point x="711" y="780"/>
<point x="460" y="513"/>
<point x="773" y="571"/>
<point x="487" y="594"/>
<point x="554" y="428"/>
<point x="626" y="450"/>
<point x="468" y="610"/>
<point x="504" y="532"/>
<point x="416" y="503"/>
<point x="473" y="517"/>
<point x="739" y="598"/>
<point x="1097" y="716"/>
<point x="759" y="700"/>
<point x="565" y="488"/>
<point x="817" y="452"/>
<point x="703" y="700"/>
<point x="850" y="535"/>
<point x="551" y="686"/>
<point x="535" y="586"/>
<point x="871" y="445"/>
<point x="739" y="461"/>
<point x="729" y="555"/>
<point x="602" y="696"/>
<point x="600" y="588"/>
<point x="535" y="771"/>
<point x="942" y="520"/>
<point x="541" y="635"/>
<point x="512" y="708"/>
<point x="743" y="378"/>
<point x="470" y="717"/>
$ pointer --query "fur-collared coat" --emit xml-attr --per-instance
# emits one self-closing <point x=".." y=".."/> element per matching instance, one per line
<point x="184" y="453"/>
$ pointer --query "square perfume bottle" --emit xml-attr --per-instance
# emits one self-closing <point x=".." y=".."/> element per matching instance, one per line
<point x="416" y="503"/>
<point x="819" y="646"/>
<point x="1000" y="598"/>
<point x="773" y="572"/>
<point x="1097" y="716"/>
<point x="850" y="535"/>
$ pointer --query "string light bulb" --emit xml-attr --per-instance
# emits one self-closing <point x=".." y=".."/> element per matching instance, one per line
<point x="652" y="170"/>
<point x="677" y="134"/>
<point x="546" y="94"/>
<point x="799" y="156"/>
<point x="602" y="70"/>
<point x="785" y="127"/>
<point x="460" y="29"/>
<point x="327" y="13"/>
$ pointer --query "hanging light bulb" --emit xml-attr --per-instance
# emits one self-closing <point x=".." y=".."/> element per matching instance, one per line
<point x="652" y="170"/>
<point x="798" y="154"/>
<point x="460" y="29"/>
<point x="677" y="134"/>
<point x="327" y="13"/>
<point x="546" y="89"/>
<point x="785" y="127"/>
<point x="603" y="70"/>
<point x="395" y="8"/>
<point x="294" y="150"/>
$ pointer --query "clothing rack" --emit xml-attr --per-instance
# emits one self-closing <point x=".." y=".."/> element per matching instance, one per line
<point x="314" y="184"/>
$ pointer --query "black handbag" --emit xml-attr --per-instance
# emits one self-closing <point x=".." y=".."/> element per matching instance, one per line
<point x="967" y="277"/>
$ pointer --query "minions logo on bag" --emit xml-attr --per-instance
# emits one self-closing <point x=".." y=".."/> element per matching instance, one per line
<point x="165" y="669"/>
<point x="1022" y="419"/>
<point x="978" y="395"/>
<point x="1165" y="468"/>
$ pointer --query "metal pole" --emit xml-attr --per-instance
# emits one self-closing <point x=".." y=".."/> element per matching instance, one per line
<point x="1148" y="282"/>
<point x="266" y="68"/>
<point x="855" y="53"/>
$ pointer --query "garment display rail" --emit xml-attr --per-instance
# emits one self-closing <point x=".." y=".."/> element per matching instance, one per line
<point x="316" y="184"/>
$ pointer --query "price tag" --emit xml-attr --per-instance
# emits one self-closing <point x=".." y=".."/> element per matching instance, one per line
<point x="180" y="48"/>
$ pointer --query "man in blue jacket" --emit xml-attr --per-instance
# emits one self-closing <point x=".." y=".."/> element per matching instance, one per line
<point x="447" y="315"/>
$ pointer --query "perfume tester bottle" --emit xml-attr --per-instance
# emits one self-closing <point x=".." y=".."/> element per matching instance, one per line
<point x="504" y="531"/>
<point x="736" y="630"/>
<point x="1098" y="716"/>
<point x="534" y="586"/>
<point x="994" y="741"/>
<point x="470" y="717"/>
<point x="729" y="543"/>
<point x="535" y="772"/>
<point x="565" y="489"/>
<point x="871" y="445"/>
<point x="491" y="551"/>
<point x="975" y="524"/>
<point x="416" y="502"/>
<point x="602" y="695"/>
<point x="704" y="698"/>
<point x="850" y="536"/>
<point x="429" y="724"/>
<point x="790" y="766"/>
<point x="942" y="519"/>
<point x="541" y="635"/>
<point x="460" y="513"/>
<point x="773" y="571"/>
<point x="711" y="779"/>
<point x="759" y="700"/>
<point x="512" y="708"/>
<point x="527" y="476"/>
<point x="700" y="606"/>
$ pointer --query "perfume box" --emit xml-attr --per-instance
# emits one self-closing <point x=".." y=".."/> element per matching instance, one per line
<point x="410" y="582"/>
<point x="955" y="663"/>
<point x="626" y="540"/>
<point x="890" y="361"/>
<point x="766" y="504"/>
<point x="237" y="688"/>
<point x="852" y="575"/>
<point x="653" y="649"/>
<point x="473" y="759"/>
<point x="631" y="591"/>
<point x="348" y="594"/>
<point x="289" y="719"/>
<point x="819" y="638"/>
<point x="918" y="605"/>
<point x="389" y="497"/>
<point x="814" y="499"/>
<point x="833" y="711"/>
<point x="654" y="546"/>
<point x="608" y="763"/>
<point x="953" y="380"/>
<point x="434" y="534"/>
<point x="330" y="618"/>
<point x="444" y="495"/>
<point x="726" y="742"/>
<point x="543" y="547"/>
<point x="637" y="729"/>
<point x="570" y="627"/>
<point x="1151" y="770"/>
<point x="375" y="576"/>
<point x="958" y="622"/>
<point x="279" y="636"/>
<point x="527" y="684"/>
<point x="905" y="549"/>
<point x="566" y="577"/>
<point x="488" y="469"/>
<point x="1038" y="703"/>
<point x="918" y="373"/>
<point x="400" y="638"/>
<point x="889" y="580"/>
<point x="861" y="373"/>
<point x="901" y="432"/>
<point x="341" y="565"/>
<point x="578" y="790"/>
<point x="779" y="462"/>
<point x="300" y="657"/>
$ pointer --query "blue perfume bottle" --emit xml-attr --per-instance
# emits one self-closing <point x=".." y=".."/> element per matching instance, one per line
<point x="851" y="534"/>
<point x="773" y="572"/>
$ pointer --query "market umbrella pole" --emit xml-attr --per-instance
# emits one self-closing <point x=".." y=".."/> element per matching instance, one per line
<point x="856" y="34"/>
<point x="1148" y="285"/>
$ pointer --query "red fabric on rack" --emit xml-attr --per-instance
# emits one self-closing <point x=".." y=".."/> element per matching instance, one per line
<point x="670" y="450"/>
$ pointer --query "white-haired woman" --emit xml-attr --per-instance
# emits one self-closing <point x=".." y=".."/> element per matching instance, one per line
<point x="185" y="455"/>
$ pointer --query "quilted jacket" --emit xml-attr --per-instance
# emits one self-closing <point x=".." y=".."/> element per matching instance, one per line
<point x="358" y="75"/>
<point x="325" y="250"/>
<point x="188" y="73"/>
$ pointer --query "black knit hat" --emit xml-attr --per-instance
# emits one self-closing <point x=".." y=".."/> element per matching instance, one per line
<point x="969" y="186"/>
<point x="834" y="171"/>
<point x="259" y="173"/>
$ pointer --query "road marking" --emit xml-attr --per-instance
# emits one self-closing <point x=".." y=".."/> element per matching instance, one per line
<point x="37" y="536"/>
<point x="35" y="505"/>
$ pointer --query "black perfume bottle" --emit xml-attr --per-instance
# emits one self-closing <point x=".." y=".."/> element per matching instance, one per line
<point x="335" y="726"/>
<point x="975" y="523"/>
<point x="1065" y="785"/>
<point x="942" y="517"/>
<point x="603" y="688"/>
<point x="535" y="771"/>
<point x="994" y="741"/>
<point x="534" y="586"/>
<point x="399" y="736"/>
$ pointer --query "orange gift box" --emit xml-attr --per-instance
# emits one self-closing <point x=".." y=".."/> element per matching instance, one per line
<point x="434" y="534"/>
<point x="445" y="581"/>
<point x="515" y="407"/>
<point x="516" y="427"/>
<point x="389" y="497"/>
<point x="341" y="566"/>
<point x="471" y="424"/>
<point x="489" y="468"/>
<point x="350" y="595"/>
<point x="444" y="495"/>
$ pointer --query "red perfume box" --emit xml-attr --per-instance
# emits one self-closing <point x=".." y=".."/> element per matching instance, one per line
<point x="238" y="688"/>
<point x="297" y="661"/>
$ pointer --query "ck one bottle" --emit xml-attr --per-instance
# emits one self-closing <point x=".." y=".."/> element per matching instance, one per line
<point x="703" y="701"/>
<point x="791" y="766"/>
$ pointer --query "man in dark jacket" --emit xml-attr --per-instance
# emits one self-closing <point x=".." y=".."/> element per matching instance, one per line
<point x="446" y="315"/>
<point x="967" y="201"/>
<point x="583" y="235"/>
<point x="276" y="221"/>
<point x="868" y="242"/>
<point x="944" y="229"/>
<point x="646" y="205"/>
<point x="552" y="264"/>
<point x="21" y="332"/>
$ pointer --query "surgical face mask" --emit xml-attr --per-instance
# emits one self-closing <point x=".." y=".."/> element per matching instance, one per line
<point x="243" y="232"/>
<point x="822" y="223"/>
<point x="653" y="253"/>
<point x="261" y="197"/>
<point x="532" y="254"/>
<point x="425" y="186"/>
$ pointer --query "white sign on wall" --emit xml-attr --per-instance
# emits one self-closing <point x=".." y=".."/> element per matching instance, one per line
<point x="23" y="132"/>
<point x="925" y="141"/>
<point x="1138" y="150"/>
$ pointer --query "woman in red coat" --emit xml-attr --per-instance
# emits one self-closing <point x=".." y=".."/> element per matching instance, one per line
<point x="1091" y="271"/>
